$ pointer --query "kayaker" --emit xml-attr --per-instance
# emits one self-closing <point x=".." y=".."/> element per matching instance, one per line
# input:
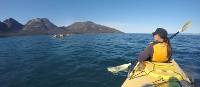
<point x="157" y="51"/>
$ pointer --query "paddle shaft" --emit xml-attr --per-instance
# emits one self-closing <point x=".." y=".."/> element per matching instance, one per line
<point x="174" y="35"/>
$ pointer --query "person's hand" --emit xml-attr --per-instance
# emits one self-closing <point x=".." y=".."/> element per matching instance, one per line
<point x="141" y="66"/>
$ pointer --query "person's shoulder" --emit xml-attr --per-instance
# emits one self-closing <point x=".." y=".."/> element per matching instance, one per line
<point x="153" y="43"/>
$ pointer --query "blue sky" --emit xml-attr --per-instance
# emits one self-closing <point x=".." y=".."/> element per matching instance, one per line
<point x="131" y="16"/>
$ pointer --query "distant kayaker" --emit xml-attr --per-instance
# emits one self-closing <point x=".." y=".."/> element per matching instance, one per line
<point x="159" y="50"/>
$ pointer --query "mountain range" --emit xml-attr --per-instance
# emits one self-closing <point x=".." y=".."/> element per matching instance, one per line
<point x="10" y="27"/>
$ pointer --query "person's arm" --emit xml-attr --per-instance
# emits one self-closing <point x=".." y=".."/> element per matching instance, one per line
<point x="147" y="53"/>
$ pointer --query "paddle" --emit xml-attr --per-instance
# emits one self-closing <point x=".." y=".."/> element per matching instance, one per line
<point x="184" y="27"/>
<point x="124" y="67"/>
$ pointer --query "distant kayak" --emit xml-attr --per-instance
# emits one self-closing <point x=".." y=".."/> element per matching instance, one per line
<point x="158" y="75"/>
<point x="58" y="36"/>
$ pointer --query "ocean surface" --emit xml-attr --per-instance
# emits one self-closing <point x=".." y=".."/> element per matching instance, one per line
<point x="81" y="60"/>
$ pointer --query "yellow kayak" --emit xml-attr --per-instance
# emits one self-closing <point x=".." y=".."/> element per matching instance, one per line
<point x="158" y="75"/>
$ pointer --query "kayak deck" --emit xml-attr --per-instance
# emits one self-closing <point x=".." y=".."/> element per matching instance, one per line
<point x="156" y="75"/>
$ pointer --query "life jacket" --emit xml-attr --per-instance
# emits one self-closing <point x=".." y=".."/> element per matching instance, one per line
<point x="160" y="52"/>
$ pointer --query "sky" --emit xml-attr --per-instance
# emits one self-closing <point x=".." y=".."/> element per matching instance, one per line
<point x="130" y="16"/>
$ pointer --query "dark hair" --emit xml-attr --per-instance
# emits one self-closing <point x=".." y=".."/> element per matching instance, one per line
<point x="161" y="32"/>
<point x="167" y="40"/>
